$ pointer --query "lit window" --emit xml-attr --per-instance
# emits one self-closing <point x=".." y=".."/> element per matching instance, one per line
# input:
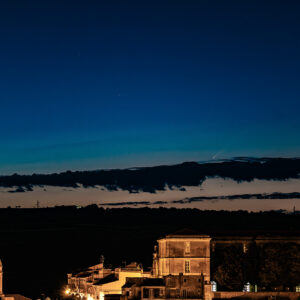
<point x="298" y="288"/>
<point x="187" y="266"/>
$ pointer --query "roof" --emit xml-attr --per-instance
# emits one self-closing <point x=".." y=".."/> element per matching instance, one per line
<point x="106" y="279"/>
<point x="187" y="232"/>
<point x="17" y="297"/>
<point x="80" y="272"/>
<point x="128" y="285"/>
<point x="83" y="274"/>
<point x="130" y="281"/>
<point x="152" y="282"/>
<point x="134" y="266"/>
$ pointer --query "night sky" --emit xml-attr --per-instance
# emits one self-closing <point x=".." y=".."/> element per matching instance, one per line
<point x="109" y="84"/>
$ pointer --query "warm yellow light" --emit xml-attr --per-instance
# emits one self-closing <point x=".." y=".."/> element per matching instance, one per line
<point x="67" y="291"/>
<point x="90" y="297"/>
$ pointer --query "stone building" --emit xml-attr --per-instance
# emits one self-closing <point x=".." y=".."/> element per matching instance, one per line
<point x="168" y="287"/>
<point x="97" y="282"/>
<point x="181" y="269"/>
<point x="183" y="252"/>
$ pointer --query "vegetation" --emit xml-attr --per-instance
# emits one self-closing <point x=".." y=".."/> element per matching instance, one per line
<point x="40" y="246"/>
<point x="270" y="266"/>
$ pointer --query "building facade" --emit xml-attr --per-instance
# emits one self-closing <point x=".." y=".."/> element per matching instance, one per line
<point x="97" y="282"/>
<point x="183" y="252"/>
<point x="168" y="287"/>
<point x="181" y="270"/>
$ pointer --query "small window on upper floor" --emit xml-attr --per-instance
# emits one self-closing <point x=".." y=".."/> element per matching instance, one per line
<point x="187" y="267"/>
<point x="187" y="249"/>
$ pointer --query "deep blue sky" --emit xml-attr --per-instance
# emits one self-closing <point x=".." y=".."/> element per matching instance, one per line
<point x="105" y="84"/>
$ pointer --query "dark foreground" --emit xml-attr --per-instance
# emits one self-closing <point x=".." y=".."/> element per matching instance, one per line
<point x="40" y="246"/>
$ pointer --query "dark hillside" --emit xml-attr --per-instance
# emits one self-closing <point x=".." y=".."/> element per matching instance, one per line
<point x="39" y="246"/>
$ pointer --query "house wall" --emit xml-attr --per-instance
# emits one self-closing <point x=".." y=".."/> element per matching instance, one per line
<point x="115" y="287"/>
<point x="174" y="253"/>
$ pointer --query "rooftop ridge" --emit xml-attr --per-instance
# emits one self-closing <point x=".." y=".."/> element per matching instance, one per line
<point x="187" y="232"/>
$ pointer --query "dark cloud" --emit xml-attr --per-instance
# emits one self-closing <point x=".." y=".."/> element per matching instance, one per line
<point x="133" y="203"/>
<point x="266" y="196"/>
<point x="153" y="179"/>
<point x="21" y="189"/>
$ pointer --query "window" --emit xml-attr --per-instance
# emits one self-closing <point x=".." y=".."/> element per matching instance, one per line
<point x="145" y="293"/>
<point x="187" y="266"/>
<point x="187" y="248"/>
<point x="298" y="288"/>
<point x="156" y="293"/>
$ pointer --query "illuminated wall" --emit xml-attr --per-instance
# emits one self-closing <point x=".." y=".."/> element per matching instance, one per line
<point x="189" y="255"/>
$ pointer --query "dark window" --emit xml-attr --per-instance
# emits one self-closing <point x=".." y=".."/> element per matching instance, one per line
<point x="187" y="247"/>
<point x="145" y="293"/>
<point x="156" y="293"/>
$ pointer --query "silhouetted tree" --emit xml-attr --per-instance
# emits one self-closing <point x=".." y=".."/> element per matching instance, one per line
<point x="229" y="274"/>
<point x="280" y="265"/>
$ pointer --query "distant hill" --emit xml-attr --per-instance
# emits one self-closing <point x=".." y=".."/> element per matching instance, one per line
<point x="157" y="178"/>
<point x="40" y="246"/>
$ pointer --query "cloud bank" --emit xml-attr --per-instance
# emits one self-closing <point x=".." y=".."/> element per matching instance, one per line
<point x="158" y="178"/>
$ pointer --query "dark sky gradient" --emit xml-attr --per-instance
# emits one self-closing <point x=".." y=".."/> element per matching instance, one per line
<point x="105" y="84"/>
